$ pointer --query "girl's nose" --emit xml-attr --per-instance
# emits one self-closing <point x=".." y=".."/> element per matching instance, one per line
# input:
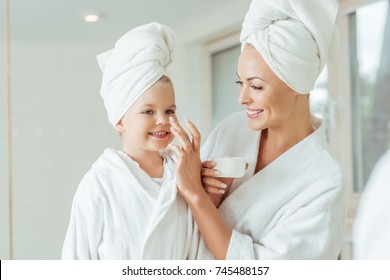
<point x="162" y="119"/>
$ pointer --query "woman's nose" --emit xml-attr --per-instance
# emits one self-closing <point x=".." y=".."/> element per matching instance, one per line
<point x="244" y="96"/>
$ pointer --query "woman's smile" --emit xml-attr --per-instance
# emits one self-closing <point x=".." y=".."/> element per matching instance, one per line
<point x="253" y="113"/>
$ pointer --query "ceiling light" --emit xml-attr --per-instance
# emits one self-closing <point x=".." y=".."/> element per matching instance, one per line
<point x="91" y="17"/>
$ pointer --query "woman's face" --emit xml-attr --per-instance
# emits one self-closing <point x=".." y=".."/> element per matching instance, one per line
<point x="145" y="126"/>
<point x="269" y="102"/>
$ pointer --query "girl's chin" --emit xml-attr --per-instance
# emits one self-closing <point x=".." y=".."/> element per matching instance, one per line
<point x="162" y="146"/>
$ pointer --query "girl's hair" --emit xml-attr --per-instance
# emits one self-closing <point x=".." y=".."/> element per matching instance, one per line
<point x="164" y="79"/>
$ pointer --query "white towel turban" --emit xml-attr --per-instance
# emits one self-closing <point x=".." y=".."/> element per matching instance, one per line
<point x="137" y="61"/>
<point x="293" y="36"/>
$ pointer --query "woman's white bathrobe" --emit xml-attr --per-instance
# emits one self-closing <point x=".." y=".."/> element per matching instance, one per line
<point x="119" y="212"/>
<point x="292" y="209"/>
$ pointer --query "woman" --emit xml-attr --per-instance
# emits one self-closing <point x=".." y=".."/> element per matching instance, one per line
<point x="290" y="204"/>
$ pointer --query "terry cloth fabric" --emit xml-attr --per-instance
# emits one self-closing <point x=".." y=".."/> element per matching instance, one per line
<point x="120" y="213"/>
<point x="371" y="232"/>
<point x="137" y="61"/>
<point x="293" y="36"/>
<point x="294" y="208"/>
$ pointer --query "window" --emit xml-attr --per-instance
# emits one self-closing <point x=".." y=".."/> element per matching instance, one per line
<point x="319" y="96"/>
<point x="224" y="90"/>
<point x="370" y="94"/>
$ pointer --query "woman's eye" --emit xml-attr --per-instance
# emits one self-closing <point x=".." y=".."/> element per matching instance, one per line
<point x="256" y="88"/>
<point x="238" y="83"/>
<point x="148" y="112"/>
<point x="170" y="112"/>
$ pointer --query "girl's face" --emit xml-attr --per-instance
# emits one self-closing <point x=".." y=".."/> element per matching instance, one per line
<point x="269" y="102"/>
<point x="145" y="126"/>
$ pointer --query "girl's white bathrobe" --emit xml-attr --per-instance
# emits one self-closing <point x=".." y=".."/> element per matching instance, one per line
<point x="119" y="212"/>
<point x="292" y="209"/>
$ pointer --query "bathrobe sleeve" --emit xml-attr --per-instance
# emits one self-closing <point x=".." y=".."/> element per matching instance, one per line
<point x="85" y="228"/>
<point x="194" y="238"/>
<point x="209" y="146"/>
<point x="308" y="233"/>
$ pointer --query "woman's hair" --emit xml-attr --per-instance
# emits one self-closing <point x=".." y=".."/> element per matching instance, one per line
<point x="164" y="78"/>
<point x="249" y="45"/>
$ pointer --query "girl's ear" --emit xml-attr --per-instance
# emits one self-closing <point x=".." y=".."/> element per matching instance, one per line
<point x="119" y="126"/>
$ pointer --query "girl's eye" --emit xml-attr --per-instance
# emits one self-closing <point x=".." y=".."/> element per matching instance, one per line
<point x="256" y="88"/>
<point x="170" y="112"/>
<point x="148" y="112"/>
<point x="238" y="83"/>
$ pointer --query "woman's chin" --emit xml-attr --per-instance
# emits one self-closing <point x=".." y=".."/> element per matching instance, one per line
<point x="256" y="125"/>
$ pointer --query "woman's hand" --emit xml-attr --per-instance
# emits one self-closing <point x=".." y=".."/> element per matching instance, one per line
<point x="214" y="230"/>
<point x="217" y="189"/>
<point x="188" y="165"/>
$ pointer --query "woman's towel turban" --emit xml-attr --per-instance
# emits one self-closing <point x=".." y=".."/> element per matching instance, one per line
<point x="293" y="36"/>
<point x="137" y="61"/>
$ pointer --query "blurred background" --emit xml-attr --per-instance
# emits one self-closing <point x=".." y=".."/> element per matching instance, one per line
<point x="53" y="125"/>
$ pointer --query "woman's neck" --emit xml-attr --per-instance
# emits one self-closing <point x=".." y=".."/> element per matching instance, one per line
<point x="277" y="140"/>
<point x="291" y="132"/>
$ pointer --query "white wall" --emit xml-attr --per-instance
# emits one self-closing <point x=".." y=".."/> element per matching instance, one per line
<point x="4" y="228"/>
<point x="59" y="129"/>
<point x="190" y="67"/>
<point x="60" y="125"/>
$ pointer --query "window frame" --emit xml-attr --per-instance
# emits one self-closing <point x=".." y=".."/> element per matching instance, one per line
<point x="209" y="49"/>
<point x="342" y="139"/>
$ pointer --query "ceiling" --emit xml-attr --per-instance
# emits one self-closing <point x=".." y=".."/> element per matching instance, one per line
<point x="61" y="20"/>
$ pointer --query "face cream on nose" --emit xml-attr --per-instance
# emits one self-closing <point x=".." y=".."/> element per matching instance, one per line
<point x="230" y="167"/>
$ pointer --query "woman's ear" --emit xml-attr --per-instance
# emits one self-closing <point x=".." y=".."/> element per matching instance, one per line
<point x="119" y="126"/>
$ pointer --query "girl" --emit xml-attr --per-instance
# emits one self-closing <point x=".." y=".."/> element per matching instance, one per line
<point x="127" y="206"/>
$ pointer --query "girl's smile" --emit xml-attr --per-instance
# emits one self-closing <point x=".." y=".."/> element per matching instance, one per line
<point x="161" y="134"/>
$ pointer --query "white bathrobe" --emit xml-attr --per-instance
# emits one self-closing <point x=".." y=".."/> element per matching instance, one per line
<point x="292" y="209"/>
<point x="119" y="212"/>
<point x="371" y="232"/>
